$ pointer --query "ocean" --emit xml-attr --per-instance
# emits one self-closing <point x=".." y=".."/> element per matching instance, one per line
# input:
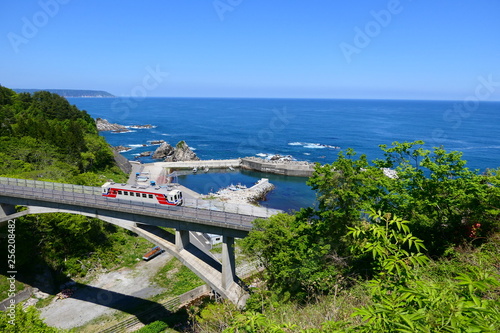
<point x="313" y="130"/>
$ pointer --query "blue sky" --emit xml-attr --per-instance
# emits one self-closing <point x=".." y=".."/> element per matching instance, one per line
<point x="254" y="48"/>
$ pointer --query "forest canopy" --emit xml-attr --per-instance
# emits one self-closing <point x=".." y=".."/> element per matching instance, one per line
<point x="43" y="136"/>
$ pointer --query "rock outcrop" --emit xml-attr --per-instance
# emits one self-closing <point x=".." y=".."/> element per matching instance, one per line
<point x="163" y="151"/>
<point x="104" y="125"/>
<point x="184" y="153"/>
<point x="121" y="149"/>
<point x="181" y="152"/>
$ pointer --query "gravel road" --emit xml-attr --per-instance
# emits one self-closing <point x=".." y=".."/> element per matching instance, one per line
<point x="110" y="292"/>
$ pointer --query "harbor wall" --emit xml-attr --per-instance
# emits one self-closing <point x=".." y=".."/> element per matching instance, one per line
<point x="286" y="168"/>
<point x="279" y="167"/>
<point x="212" y="164"/>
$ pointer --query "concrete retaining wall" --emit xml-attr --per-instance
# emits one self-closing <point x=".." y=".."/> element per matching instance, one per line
<point x="297" y="169"/>
<point x="18" y="298"/>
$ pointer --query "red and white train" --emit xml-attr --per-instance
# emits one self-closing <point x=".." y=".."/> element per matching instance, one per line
<point x="142" y="193"/>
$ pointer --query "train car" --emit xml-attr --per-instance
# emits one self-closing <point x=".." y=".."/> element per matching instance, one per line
<point x="142" y="193"/>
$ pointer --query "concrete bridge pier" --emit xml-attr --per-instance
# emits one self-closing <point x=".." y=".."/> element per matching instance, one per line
<point x="181" y="239"/>
<point x="228" y="262"/>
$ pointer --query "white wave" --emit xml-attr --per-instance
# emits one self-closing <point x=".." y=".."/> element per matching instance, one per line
<point x="136" y="146"/>
<point x="307" y="154"/>
<point x="262" y="155"/>
<point x="141" y="126"/>
<point x="311" y="145"/>
<point x="315" y="146"/>
<point x="485" y="147"/>
<point x="122" y="132"/>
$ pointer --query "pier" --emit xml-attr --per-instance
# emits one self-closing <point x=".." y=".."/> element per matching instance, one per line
<point x="286" y="168"/>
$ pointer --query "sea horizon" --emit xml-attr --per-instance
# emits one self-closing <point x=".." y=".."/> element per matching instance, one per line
<point x="461" y="100"/>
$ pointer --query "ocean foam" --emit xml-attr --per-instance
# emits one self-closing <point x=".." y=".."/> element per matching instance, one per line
<point x="315" y="146"/>
<point x="122" y="132"/>
<point x="311" y="145"/>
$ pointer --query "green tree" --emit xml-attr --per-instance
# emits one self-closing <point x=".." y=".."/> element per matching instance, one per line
<point x="402" y="302"/>
<point x="296" y="265"/>
<point x="24" y="321"/>
<point x="439" y="195"/>
<point x="434" y="190"/>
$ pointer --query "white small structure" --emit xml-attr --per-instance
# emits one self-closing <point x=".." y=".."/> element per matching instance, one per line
<point x="213" y="239"/>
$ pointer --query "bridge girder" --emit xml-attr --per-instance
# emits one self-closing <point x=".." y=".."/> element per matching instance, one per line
<point x="228" y="284"/>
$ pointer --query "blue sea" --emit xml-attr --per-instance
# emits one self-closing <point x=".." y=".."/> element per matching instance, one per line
<point x="313" y="130"/>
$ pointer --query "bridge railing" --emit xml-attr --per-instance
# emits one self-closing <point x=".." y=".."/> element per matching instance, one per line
<point x="213" y="205"/>
<point x="50" y="185"/>
<point x="245" y="209"/>
<point x="199" y="210"/>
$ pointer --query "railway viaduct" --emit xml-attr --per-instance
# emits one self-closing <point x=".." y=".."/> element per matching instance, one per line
<point x="144" y="219"/>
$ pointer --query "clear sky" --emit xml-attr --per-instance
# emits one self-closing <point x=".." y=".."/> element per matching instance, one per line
<point x="412" y="49"/>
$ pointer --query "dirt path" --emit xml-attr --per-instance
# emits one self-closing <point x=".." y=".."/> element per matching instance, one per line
<point x="110" y="292"/>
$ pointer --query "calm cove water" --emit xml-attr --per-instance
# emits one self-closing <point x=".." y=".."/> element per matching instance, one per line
<point x="308" y="129"/>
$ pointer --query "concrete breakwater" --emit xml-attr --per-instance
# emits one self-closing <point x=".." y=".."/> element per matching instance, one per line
<point x="212" y="164"/>
<point x="280" y="167"/>
<point x="242" y="195"/>
<point x="159" y="170"/>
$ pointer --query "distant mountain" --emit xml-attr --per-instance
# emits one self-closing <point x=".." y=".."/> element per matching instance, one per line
<point x="70" y="92"/>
